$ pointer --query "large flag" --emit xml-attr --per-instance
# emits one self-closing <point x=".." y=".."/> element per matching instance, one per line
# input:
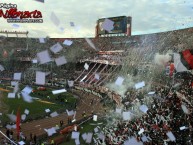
<point x="183" y="61"/>
<point x="18" y="120"/>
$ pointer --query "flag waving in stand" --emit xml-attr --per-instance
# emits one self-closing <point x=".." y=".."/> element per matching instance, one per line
<point x="18" y="120"/>
<point x="183" y="61"/>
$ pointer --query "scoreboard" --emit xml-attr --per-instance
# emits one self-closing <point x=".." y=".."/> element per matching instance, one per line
<point x="120" y="26"/>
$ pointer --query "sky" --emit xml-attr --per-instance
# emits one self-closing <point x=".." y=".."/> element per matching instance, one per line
<point x="147" y="16"/>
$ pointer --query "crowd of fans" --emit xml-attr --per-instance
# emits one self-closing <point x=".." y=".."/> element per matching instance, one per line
<point x="170" y="111"/>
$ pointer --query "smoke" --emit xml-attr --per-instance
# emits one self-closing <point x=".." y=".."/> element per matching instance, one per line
<point x="112" y="118"/>
<point x="162" y="59"/>
<point x="121" y="90"/>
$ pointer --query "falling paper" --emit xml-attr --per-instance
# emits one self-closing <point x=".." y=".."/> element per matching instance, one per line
<point x="1" y="68"/>
<point x="58" y="91"/>
<point x="127" y="115"/>
<point x="94" y="117"/>
<point x="151" y="93"/>
<point x="43" y="57"/>
<point x="72" y="24"/>
<point x="70" y="113"/>
<point x="14" y="126"/>
<point x="96" y="130"/>
<point x="42" y="40"/>
<point x="119" y="81"/>
<point x="60" y="61"/>
<point x="23" y="117"/>
<point x="34" y="61"/>
<point x="143" y="108"/>
<point x="26" y="111"/>
<point x="118" y="111"/>
<point x="97" y="76"/>
<point x="54" y="114"/>
<point x="8" y="126"/>
<point x="27" y="97"/>
<point x="27" y="90"/>
<point x="84" y="136"/>
<point x="47" y="110"/>
<point x="12" y="117"/>
<point x="11" y="95"/>
<point x="144" y="138"/>
<point x="14" y="83"/>
<point x="40" y="78"/>
<point x="89" y="138"/>
<point x="70" y="83"/>
<point x="67" y="42"/>
<point x="56" y="48"/>
<point x="17" y="76"/>
<point x="54" y="19"/>
<point x="141" y="131"/>
<point x="77" y="141"/>
<point x="86" y="66"/>
<point x="132" y="141"/>
<point x="21" y="143"/>
<point x="51" y="131"/>
<point x="185" y="109"/>
<point x="183" y="127"/>
<point x="75" y="135"/>
<point x="107" y="25"/>
<point x="101" y="136"/>
<point x="139" y="85"/>
<point x="171" y="136"/>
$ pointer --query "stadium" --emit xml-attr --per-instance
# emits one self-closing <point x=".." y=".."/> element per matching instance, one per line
<point x="112" y="89"/>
